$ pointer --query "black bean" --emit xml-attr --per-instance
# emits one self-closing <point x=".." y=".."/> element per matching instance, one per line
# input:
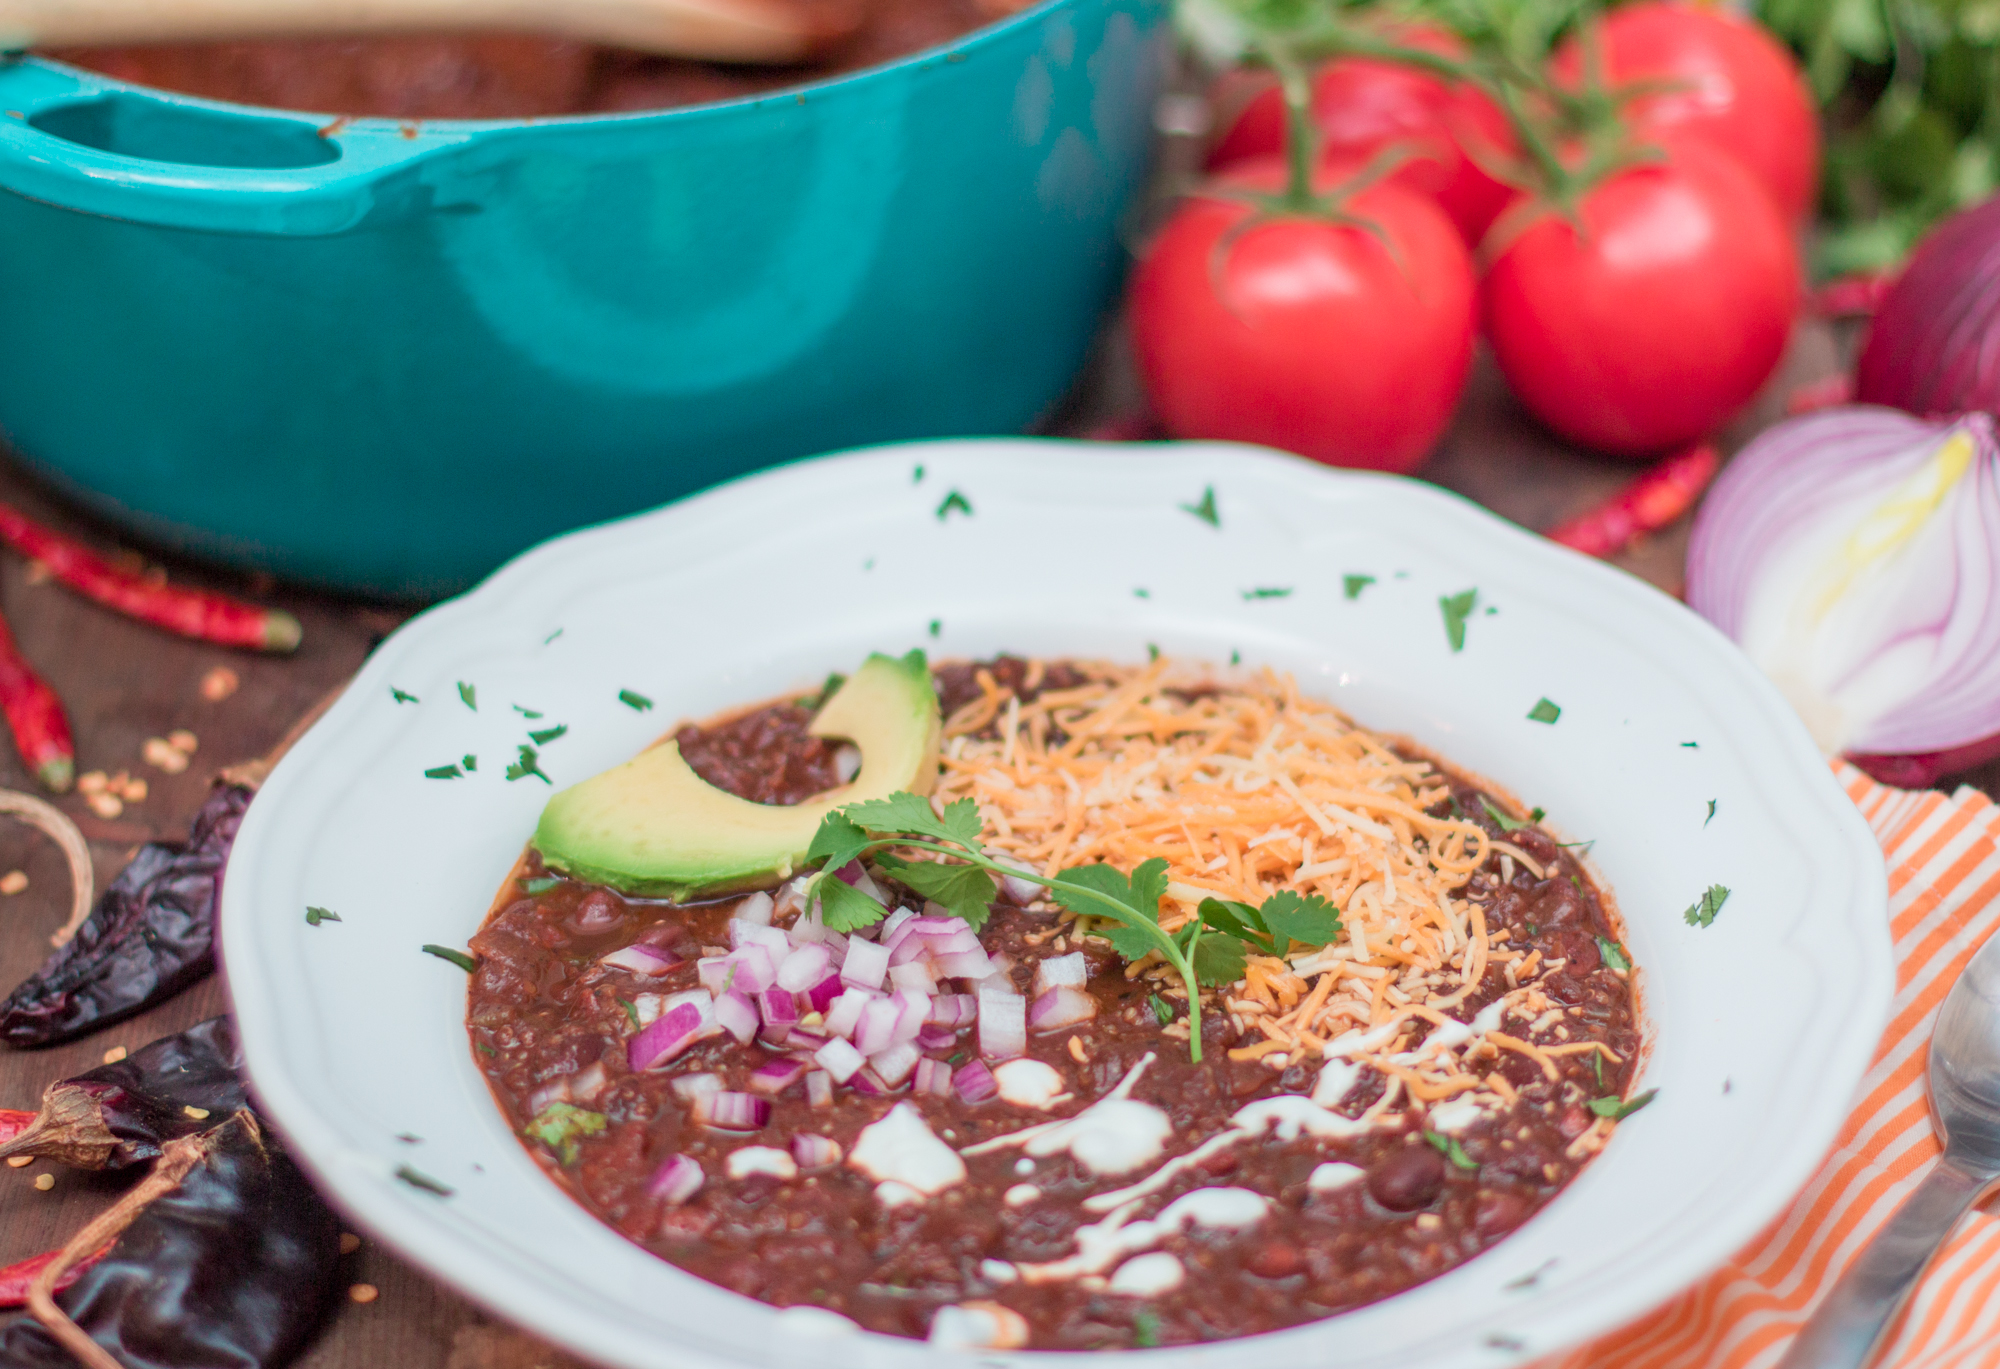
<point x="1408" y="1179"/>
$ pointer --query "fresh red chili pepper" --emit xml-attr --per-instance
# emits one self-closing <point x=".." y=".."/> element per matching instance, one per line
<point x="15" y="1278"/>
<point x="192" y="613"/>
<point x="1650" y="502"/>
<point x="35" y="715"/>
<point x="14" y="1121"/>
<point x="1820" y="394"/>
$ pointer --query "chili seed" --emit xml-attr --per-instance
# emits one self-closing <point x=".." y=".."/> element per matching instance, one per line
<point x="349" y="1242"/>
<point x="106" y="805"/>
<point x="364" y="1292"/>
<point x="20" y="1161"/>
<point x="45" y="1181"/>
<point x="163" y="755"/>
<point x="13" y="882"/>
<point x="199" y="1114"/>
<point x="219" y="684"/>
<point x="115" y="1054"/>
<point x="91" y="782"/>
<point x="39" y="573"/>
<point x="183" y="741"/>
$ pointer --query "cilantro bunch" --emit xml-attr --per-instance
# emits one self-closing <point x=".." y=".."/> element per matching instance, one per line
<point x="1212" y="948"/>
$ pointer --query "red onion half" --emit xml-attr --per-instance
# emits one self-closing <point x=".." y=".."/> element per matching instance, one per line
<point x="1854" y="554"/>
<point x="1934" y="347"/>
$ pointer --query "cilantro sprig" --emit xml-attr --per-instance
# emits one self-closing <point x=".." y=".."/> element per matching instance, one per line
<point x="1211" y="948"/>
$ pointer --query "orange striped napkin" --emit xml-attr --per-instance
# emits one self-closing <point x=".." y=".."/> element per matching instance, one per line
<point x="1944" y="898"/>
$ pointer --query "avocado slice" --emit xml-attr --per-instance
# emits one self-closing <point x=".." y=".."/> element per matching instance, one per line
<point x="654" y="827"/>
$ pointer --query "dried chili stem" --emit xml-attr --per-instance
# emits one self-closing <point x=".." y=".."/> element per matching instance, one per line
<point x="56" y="824"/>
<point x="177" y="1159"/>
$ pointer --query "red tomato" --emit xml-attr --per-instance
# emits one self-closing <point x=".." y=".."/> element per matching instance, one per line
<point x="1319" y="337"/>
<point x="1661" y="318"/>
<point x="1362" y="106"/>
<point x="1740" y="89"/>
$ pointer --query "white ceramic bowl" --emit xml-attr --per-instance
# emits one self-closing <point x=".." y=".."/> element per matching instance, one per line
<point x="1761" y="1024"/>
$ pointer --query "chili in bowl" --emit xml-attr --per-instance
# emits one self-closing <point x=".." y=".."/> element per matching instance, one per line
<point x="1173" y="971"/>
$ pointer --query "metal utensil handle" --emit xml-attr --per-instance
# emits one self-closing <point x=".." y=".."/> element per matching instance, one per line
<point x="1844" y="1329"/>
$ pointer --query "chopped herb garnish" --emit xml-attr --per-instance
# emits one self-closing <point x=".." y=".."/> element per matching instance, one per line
<point x="1268" y="592"/>
<point x="1507" y="823"/>
<point x="1352" y="585"/>
<point x="1163" y="1011"/>
<point x="937" y="626"/>
<point x="1456" y="609"/>
<point x="315" y="916"/>
<point x="957" y="1057"/>
<point x="1145" y="1328"/>
<point x="552" y="636"/>
<point x="1205" y="510"/>
<point x="542" y="884"/>
<point x="458" y="958"/>
<point x="469" y="694"/>
<point x="1702" y="911"/>
<point x="1142" y="594"/>
<point x="527" y="712"/>
<point x="416" y="1178"/>
<point x="470" y="762"/>
<point x="402" y="696"/>
<point x="634" y="700"/>
<point x="917" y="476"/>
<point x="560" y="1126"/>
<point x="954" y="502"/>
<point x="409" y="1138"/>
<point x="443" y="772"/>
<point x="828" y="688"/>
<point x="1613" y="954"/>
<point x="1545" y="711"/>
<point x="1449" y="1147"/>
<point x="1691" y="744"/>
<point x="1235" y="658"/>
<point x="1597" y="1064"/>
<point x="1618" y="1109"/>
<point x="1152" y="651"/>
<point x="631" y="1012"/>
<point x="1711" y="814"/>
<point x="529" y="764"/>
<point x="484" y="1048"/>
<point x="548" y="734"/>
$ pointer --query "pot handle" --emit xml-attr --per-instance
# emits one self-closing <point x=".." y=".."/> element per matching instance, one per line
<point x="102" y="147"/>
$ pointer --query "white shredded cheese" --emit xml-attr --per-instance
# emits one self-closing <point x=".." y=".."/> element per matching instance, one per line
<point x="1454" y="1115"/>
<point x="761" y="1160"/>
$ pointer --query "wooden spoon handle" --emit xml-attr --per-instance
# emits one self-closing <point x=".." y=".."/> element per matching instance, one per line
<point x="715" y="30"/>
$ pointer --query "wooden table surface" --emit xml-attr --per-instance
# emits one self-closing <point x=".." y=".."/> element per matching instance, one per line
<point x="124" y="683"/>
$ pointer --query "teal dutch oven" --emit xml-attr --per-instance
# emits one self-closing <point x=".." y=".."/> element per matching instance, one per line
<point x="384" y="357"/>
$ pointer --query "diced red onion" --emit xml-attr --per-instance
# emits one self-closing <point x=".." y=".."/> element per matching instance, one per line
<point x="808" y="929"/>
<point x="806" y="966"/>
<point x="819" y="1089"/>
<point x="728" y="1111"/>
<point x="1003" y="1026"/>
<point x="871" y="888"/>
<point x="757" y="908"/>
<point x="806" y="1042"/>
<point x="975" y="1082"/>
<point x="689" y="1087"/>
<point x="714" y="971"/>
<point x="866" y="1081"/>
<point x="875" y="1029"/>
<point x="937" y="1038"/>
<point x="676" y="1181"/>
<point x="971" y="964"/>
<point x="815" y="1152"/>
<point x="895" y="1063"/>
<point x="737" y="1015"/>
<point x="953" y="1010"/>
<point x="933" y="1077"/>
<point x="1017" y="890"/>
<point x="865" y="964"/>
<point x="772" y="939"/>
<point x="850" y="873"/>
<point x="671" y="1033"/>
<point x="791" y="897"/>
<point x="1890" y="653"/>
<point x="915" y="977"/>
<point x="778" y="1007"/>
<point x="845" y="1014"/>
<point x="588" y="1082"/>
<point x="1071" y="970"/>
<point x="839" y="1059"/>
<point x="555" y="1091"/>
<point x="773" y="1077"/>
<point x="751" y="970"/>
<point x="641" y="959"/>
<point x="1061" y="1007"/>
<point x="889" y="932"/>
<point x="911" y="1010"/>
<point x="821" y="995"/>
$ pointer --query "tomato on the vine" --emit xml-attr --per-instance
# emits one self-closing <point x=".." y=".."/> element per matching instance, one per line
<point x="1655" y="315"/>
<point x="1344" y="338"/>
<point x="1363" y="106"/>
<point x="1725" y="79"/>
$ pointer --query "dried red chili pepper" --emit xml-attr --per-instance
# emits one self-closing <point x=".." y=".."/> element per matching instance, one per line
<point x="151" y="935"/>
<point x="1650" y="502"/>
<point x="122" y="1114"/>
<point x="35" y="716"/>
<point x="191" y="613"/>
<point x="223" y="1255"/>
<point x="14" y="1121"/>
<point x="15" y="1278"/>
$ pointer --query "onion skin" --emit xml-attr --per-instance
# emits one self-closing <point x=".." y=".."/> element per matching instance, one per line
<point x="1922" y="772"/>
<point x="1934" y="348"/>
